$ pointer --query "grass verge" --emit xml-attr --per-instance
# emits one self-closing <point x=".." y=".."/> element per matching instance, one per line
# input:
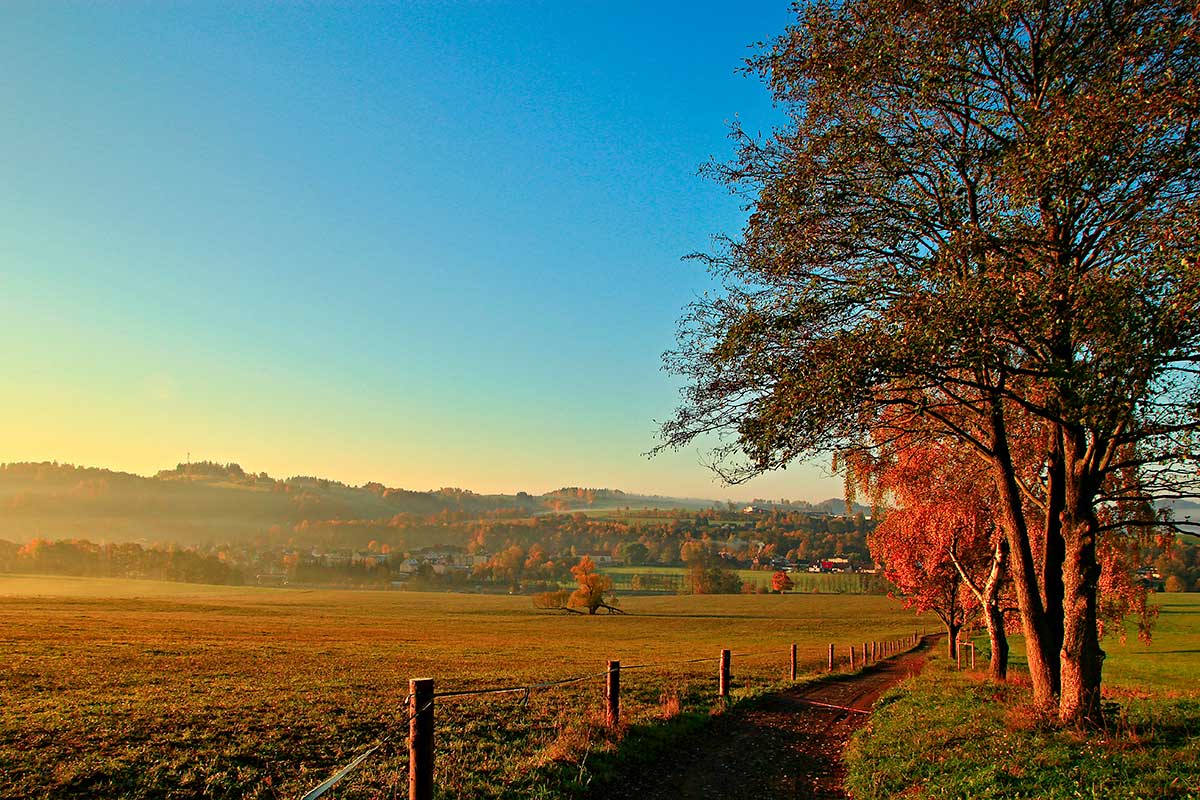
<point x="947" y="734"/>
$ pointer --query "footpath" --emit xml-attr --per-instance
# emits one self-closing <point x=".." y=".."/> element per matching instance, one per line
<point x="785" y="745"/>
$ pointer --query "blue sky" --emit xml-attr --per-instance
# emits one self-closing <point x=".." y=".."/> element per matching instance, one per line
<point x="422" y="243"/>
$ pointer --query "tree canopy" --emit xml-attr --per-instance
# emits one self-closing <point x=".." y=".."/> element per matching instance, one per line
<point x="980" y="222"/>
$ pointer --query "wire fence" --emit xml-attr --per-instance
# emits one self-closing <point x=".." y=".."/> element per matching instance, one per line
<point x="420" y="702"/>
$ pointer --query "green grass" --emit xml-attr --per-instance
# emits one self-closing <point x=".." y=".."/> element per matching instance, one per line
<point x="139" y="689"/>
<point x="673" y="578"/>
<point x="955" y="735"/>
<point x="1172" y="659"/>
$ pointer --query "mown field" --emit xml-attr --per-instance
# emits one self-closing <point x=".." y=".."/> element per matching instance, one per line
<point x="140" y="689"/>
<point x="950" y="734"/>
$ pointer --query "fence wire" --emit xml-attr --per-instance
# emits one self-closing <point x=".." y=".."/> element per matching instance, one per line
<point x="526" y="690"/>
<point x="342" y="773"/>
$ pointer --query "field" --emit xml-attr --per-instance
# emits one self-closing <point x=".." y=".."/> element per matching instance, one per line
<point x="142" y="689"/>
<point x="954" y="735"/>
<point x="674" y="578"/>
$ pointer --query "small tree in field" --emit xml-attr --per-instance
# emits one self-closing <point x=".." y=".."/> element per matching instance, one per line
<point x="595" y="588"/>
<point x="780" y="582"/>
<point x="553" y="601"/>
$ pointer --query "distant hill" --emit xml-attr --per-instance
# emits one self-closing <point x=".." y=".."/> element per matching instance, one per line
<point x="205" y="502"/>
<point x="572" y="498"/>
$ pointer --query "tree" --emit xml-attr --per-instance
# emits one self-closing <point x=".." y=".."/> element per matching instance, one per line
<point x="595" y="588"/>
<point x="558" y="600"/>
<point x="709" y="578"/>
<point x="635" y="553"/>
<point x="941" y="546"/>
<point x="979" y="213"/>
<point x="780" y="582"/>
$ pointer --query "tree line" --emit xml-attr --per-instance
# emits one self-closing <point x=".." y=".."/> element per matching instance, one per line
<point x="80" y="557"/>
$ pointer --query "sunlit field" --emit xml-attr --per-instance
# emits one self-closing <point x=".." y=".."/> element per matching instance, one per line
<point x="142" y="689"/>
<point x="952" y="734"/>
<point x="1168" y="664"/>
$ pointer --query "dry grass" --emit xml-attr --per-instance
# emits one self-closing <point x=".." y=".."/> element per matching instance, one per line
<point x="135" y="689"/>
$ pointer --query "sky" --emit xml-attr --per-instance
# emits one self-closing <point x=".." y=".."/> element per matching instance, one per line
<point x="423" y="243"/>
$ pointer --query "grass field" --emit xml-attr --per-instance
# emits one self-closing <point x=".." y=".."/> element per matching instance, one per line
<point x="955" y="735"/>
<point x="674" y="578"/>
<point x="141" y="689"/>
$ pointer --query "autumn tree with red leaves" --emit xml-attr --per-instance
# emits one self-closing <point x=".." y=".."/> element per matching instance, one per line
<point x="780" y="582"/>
<point x="940" y="546"/>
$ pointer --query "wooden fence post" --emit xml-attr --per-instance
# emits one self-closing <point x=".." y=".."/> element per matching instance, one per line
<point x="851" y="656"/>
<point x="866" y="654"/>
<point x="793" y="661"/>
<point x="723" y="677"/>
<point x="874" y="651"/>
<point x="972" y="655"/>
<point x="831" y="656"/>
<point x="612" y="694"/>
<point x="420" y="739"/>
<point x="958" y="648"/>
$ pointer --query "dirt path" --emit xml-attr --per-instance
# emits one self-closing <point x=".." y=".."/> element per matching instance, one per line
<point x="788" y="745"/>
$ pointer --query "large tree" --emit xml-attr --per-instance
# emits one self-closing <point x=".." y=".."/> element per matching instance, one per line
<point x="979" y="214"/>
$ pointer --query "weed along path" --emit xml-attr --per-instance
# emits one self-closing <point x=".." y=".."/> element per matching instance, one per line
<point x="784" y="745"/>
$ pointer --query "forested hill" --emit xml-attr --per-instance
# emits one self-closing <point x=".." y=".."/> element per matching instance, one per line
<point x="205" y="502"/>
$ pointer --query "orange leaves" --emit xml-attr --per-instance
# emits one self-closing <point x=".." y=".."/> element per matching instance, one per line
<point x="593" y="586"/>
<point x="941" y="528"/>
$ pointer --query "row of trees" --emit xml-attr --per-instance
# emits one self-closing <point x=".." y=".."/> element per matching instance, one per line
<point x="79" y="557"/>
<point x="975" y="240"/>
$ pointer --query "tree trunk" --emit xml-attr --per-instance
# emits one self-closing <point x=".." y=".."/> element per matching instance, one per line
<point x="998" y="667"/>
<point x="1042" y="658"/>
<point x="1054" y="550"/>
<point x="952" y="631"/>
<point x="1082" y="658"/>
<point x="989" y="600"/>
<point x="994" y="615"/>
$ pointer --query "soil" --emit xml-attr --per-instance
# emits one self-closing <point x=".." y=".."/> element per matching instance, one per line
<point x="786" y="745"/>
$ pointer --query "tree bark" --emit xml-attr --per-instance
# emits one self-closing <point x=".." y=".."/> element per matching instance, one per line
<point x="994" y="615"/>
<point x="1054" y="551"/>
<point x="998" y="666"/>
<point x="1082" y="658"/>
<point x="952" y="631"/>
<point x="1042" y="658"/>
<point x="989" y="600"/>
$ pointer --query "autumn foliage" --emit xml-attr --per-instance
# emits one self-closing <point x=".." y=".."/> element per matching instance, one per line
<point x="780" y="582"/>
<point x="939" y="545"/>
<point x="595" y="588"/>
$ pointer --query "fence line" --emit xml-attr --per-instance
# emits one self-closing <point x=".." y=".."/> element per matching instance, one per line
<point x="338" y="776"/>
<point x="420" y="717"/>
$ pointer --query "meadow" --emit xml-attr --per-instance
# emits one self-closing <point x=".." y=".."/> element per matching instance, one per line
<point x="138" y="689"/>
<point x="951" y="734"/>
